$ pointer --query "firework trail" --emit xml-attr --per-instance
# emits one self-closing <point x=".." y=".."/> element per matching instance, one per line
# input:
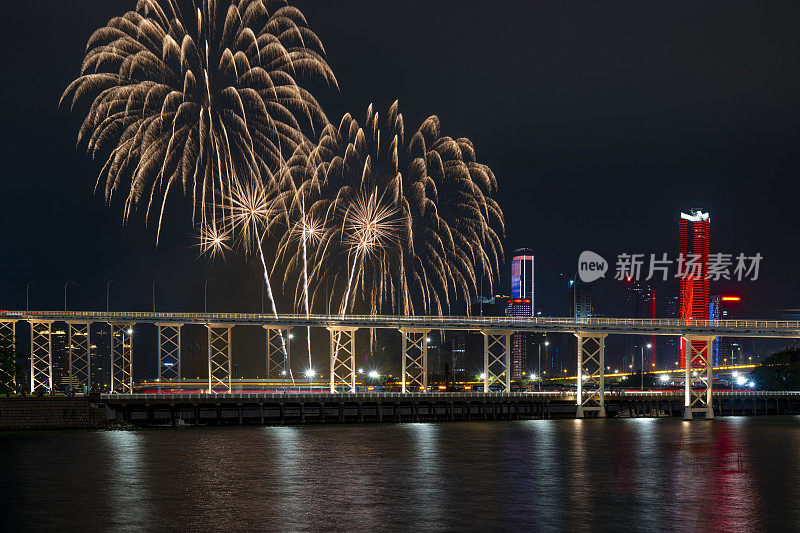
<point x="306" y="230"/>
<point x="196" y="95"/>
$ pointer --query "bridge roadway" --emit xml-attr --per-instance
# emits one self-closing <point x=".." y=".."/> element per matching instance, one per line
<point x="303" y="408"/>
<point x="616" y="326"/>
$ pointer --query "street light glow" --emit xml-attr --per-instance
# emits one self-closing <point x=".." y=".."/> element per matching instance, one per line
<point x="482" y="375"/>
<point x="374" y="374"/>
<point x="310" y="373"/>
<point x="664" y="378"/>
<point x="130" y="331"/>
<point x="533" y="376"/>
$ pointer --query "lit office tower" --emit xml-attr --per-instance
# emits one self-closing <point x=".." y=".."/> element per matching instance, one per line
<point x="520" y="305"/>
<point x="693" y="292"/>
<point x="726" y="350"/>
<point x="522" y="275"/>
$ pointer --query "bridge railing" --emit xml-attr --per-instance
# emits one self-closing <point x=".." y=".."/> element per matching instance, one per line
<point x="390" y="320"/>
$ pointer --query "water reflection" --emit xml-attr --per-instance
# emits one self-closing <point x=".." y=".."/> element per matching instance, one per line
<point x="731" y="474"/>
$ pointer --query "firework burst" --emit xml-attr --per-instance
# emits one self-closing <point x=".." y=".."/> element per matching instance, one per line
<point x="197" y="95"/>
<point x="404" y="222"/>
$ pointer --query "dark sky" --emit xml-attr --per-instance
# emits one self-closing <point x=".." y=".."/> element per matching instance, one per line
<point x="601" y="120"/>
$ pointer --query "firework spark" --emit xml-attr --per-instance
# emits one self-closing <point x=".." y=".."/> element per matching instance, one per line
<point x="212" y="241"/>
<point x="198" y="96"/>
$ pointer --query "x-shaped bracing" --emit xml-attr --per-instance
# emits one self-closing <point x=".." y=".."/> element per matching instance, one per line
<point x="169" y="353"/>
<point x="121" y="358"/>
<point x="698" y="350"/>
<point x="277" y="351"/>
<point x="219" y="357"/>
<point x="496" y="344"/>
<point x="41" y="357"/>
<point x="415" y="359"/>
<point x="591" y="373"/>
<point x="80" y="361"/>
<point x="343" y="359"/>
<point x="8" y="374"/>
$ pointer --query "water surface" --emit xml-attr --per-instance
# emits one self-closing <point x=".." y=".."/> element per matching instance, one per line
<point x="733" y="474"/>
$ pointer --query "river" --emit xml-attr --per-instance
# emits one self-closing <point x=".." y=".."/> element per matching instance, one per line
<point x="733" y="474"/>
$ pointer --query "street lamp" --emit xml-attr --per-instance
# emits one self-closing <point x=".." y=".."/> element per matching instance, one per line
<point x="539" y="364"/>
<point x="154" y="291"/>
<point x="205" y="294"/>
<point x="28" y="295"/>
<point x="648" y="347"/>
<point x="108" y="290"/>
<point x="65" y="293"/>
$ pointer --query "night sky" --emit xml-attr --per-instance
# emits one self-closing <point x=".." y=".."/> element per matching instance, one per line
<point x="601" y="120"/>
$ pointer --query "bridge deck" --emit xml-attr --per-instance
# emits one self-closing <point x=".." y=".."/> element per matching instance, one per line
<point x="624" y="326"/>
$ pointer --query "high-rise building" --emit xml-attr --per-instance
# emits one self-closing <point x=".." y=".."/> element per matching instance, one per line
<point x="581" y="304"/>
<point x="521" y="305"/>
<point x="693" y="245"/>
<point x="669" y="346"/>
<point x="522" y="275"/>
<point x="640" y="299"/>
<point x="724" y="307"/>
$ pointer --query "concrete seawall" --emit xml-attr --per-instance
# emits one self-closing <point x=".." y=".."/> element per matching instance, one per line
<point x="17" y="414"/>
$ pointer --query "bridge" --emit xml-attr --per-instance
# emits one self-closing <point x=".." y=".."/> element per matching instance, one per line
<point x="591" y="333"/>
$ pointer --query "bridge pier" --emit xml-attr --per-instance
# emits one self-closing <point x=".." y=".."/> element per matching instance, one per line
<point x="219" y="357"/>
<point x="591" y="374"/>
<point x="496" y="352"/>
<point x="169" y="353"/>
<point x="343" y="358"/>
<point x="121" y="358"/>
<point x="8" y="340"/>
<point x="41" y="356"/>
<point x="698" y="359"/>
<point x="278" y="351"/>
<point x="415" y="358"/>
<point x="79" y="340"/>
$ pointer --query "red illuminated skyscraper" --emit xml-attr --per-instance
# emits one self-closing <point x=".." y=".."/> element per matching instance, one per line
<point x="693" y="289"/>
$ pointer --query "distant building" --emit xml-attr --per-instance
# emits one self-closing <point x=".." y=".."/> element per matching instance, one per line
<point x="581" y="305"/>
<point x="725" y="307"/>
<point x="640" y="300"/>
<point x="669" y="346"/>
<point x="519" y="307"/>
<point x="693" y="245"/>
<point x="521" y="304"/>
<point x="522" y="275"/>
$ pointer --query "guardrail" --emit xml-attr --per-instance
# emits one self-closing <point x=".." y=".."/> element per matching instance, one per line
<point x="664" y="326"/>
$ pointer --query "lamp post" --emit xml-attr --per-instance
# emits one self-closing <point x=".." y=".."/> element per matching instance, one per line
<point x="108" y="289"/>
<point x="539" y="365"/>
<point x="65" y="293"/>
<point x="648" y="347"/>
<point x="154" y="291"/>
<point x="28" y="295"/>
<point x="205" y="294"/>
